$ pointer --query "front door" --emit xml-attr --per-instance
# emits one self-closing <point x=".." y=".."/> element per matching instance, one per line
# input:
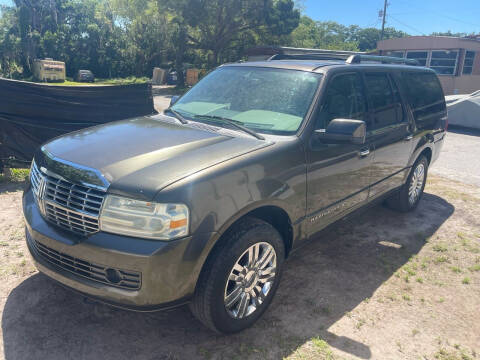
<point x="337" y="174"/>
<point x="390" y="133"/>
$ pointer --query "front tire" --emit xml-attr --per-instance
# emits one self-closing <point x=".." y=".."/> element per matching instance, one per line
<point x="240" y="277"/>
<point x="411" y="192"/>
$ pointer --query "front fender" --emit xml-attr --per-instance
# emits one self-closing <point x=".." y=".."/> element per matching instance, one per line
<point x="219" y="196"/>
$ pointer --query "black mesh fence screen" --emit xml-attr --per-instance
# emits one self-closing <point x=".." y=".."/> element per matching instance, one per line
<point x="31" y="114"/>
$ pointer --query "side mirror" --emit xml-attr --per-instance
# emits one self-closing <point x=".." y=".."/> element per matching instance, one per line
<point x="343" y="131"/>
<point x="174" y="99"/>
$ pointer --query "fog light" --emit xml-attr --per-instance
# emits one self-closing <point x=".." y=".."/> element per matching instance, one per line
<point x="113" y="275"/>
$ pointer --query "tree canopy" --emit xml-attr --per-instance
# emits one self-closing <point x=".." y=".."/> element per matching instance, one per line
<point x="332" y="35"/>
<point x="117" y="38"/>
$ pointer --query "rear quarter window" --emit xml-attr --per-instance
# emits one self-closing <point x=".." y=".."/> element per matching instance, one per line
<point x="425" y="96"/>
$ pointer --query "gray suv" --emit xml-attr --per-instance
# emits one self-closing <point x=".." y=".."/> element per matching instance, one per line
<point x="203" y="204"/>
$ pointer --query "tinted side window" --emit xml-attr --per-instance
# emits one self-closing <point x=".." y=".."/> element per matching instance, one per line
<point x="385" y="102"/>
<point x="343" y="99"/>
<point x="425" y="96"/>
<point x="379" y="90"/>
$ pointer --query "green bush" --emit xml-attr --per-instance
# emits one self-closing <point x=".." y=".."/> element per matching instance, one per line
<point x="14" y="175"/>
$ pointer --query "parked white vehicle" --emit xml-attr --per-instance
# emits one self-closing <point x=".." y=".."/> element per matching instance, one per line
<point x="464" y="110"/>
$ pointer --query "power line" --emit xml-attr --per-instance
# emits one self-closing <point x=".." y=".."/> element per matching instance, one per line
<point x="373" y="24"/>
<point x="440" y="14"/>
<point x="406" y="25"/>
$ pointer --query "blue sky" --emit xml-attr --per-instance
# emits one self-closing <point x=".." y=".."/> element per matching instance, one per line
<point x="416" y="17"/>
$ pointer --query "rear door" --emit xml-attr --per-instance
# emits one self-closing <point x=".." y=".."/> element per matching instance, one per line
<point x="390" y="132"/>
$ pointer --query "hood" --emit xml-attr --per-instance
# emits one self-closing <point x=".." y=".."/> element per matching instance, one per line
<point x="138" y="157"/>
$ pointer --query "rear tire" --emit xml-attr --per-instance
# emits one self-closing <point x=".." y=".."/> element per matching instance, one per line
<point x="411" y="192"/>
<point x="240" y="278"/>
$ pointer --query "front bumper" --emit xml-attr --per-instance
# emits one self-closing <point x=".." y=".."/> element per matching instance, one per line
<point x="168" y="270"/>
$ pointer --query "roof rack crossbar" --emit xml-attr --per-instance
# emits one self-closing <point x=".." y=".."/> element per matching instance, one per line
<point x="357" y="59"/>
<point x="311" y="56"/>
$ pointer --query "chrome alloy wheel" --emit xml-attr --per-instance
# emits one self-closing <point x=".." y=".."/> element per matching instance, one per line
<point x="416" y="184"/>
<point x="250" y="280"/>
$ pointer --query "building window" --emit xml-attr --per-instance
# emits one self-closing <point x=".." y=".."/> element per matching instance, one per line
<point x="444" y="62"/>
<point x="420" y="56"/>
<point x="399" y="54"/>
<point x="468" y="62"/>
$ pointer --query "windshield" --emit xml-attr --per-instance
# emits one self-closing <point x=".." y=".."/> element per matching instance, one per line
<point x="265" y="100"/>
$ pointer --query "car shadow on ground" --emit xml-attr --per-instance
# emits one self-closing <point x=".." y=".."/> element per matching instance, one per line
<point x="463" y="130"/>
<point x="11" y="187"/>
<point x="323" y="281"/>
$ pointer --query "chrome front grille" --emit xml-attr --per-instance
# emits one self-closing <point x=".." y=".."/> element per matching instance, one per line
<point x="70" y="219"/>
<point x="71" y="206"/>
<point x="125" y="279"/>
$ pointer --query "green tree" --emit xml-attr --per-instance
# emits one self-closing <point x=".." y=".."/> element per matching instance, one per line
<point x="367" y="38"/>
<point x="332" y="35"/>
<point x="130" y="37"/>
<point x="323" y="35"/>
<point x="10" y="43"/>
<point x="450" y="33"/>
<point x="214" y="24"/>
<point x="148" y="31"/>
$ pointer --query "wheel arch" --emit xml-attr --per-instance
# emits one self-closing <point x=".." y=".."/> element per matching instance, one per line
<point x="427" y="152"/>
<point x="273" y="214"/>
<point x="423" y="148"/>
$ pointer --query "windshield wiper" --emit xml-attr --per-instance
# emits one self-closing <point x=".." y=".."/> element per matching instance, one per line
<point x="234" y="123"/>
<point x="178" y="116"/>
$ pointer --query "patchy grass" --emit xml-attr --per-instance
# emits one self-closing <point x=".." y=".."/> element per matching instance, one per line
<point x="440" y="248"/>
<point x="14" y="175"/>
<point x="456" y="269"/>
<point x="360" y="323"/>
<point x="315" y="348"/>
<point x="123" y="81"/>
<point x="475" y="267"/>
<point x="440" y="259"/>
<point x="455" y="354"/>
<point x="115" y="81"/>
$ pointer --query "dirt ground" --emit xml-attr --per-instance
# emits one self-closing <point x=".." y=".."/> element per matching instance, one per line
<point x="381" y="286"/>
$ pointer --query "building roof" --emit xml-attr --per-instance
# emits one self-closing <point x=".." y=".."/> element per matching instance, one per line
<point x="429" y="42"/>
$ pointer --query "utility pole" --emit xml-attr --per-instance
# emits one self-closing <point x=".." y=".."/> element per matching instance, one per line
<point x="383" y="20"/>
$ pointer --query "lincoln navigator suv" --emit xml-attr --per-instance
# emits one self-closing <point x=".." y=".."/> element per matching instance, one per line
<point x="202" y="204"/>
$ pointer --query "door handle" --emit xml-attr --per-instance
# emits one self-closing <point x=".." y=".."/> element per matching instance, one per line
<point x="364" y="152"/>
<point x="409" y="137"/>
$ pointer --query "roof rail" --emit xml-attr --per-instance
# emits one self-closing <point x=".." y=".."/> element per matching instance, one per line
<point x="330" y="55"/>
<point x="357" y="59"/>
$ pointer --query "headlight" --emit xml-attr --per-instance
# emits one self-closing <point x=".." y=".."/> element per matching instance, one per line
<point x="143" y="219"/>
